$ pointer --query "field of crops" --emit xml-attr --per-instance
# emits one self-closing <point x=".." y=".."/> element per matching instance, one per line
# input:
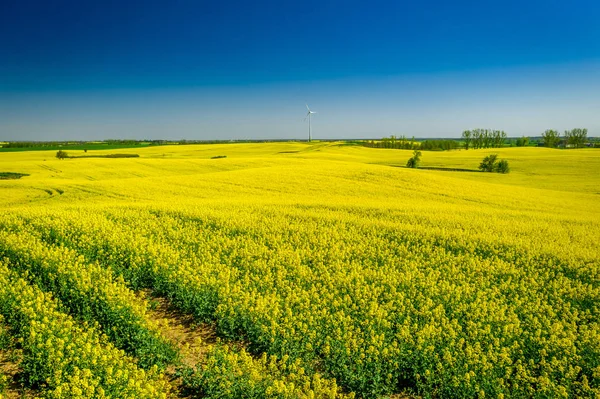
<point x="321" y="270"/>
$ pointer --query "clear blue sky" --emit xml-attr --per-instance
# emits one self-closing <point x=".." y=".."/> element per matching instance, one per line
<point x="224" y="69"/>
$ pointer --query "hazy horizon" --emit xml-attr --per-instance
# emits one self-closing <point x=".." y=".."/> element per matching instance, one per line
<point x="156" y="70"/>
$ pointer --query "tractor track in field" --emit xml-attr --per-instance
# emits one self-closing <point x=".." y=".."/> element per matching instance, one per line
<point x="192" y="341"/>
<point x="9" y="368"/>
<point x="190" y="338"/>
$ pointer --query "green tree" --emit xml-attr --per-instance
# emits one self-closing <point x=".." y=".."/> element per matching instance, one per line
<point x="551" y="138"/>
<point x="415" y="160"/>
<point x="499" y="138"/>
<point x="466" y="136"/>
<point x="502" y="166"/>
<point x="523" y="141"/>
<point x="60" y="154"/>
<point x="477" y="138"/>
<point x="576" y="137"/>
<point x="488" y="163"/>
<point x="491" y="163"/>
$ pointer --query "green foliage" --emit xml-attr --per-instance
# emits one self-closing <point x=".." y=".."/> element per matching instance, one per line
<point x="488" y="163"/>
<point x="11" y="175"/>
<point x="107" y="156"/>
<point x="483" y="138"/>
<point x="491" y="163"/>
<point x="402" y="143"/>
<point x="522" y="142"/>
<point x="438" y="145"/>
<point x="502" y="166"/>
<point x="466" y="136"/>
<point x="3" y="384"/>
<point x="551" y="138"/>
<point x="60" y="154"/>
<point x="575" y="137"/>
<point x="399" y="143"/>
<point x="415" y="160"/>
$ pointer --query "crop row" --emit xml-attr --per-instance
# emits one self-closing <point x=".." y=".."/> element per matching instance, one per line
<point x="5" y="346"/>
<point x="64" y="359"/>
<point x="377" y="306"/>
<point x="89" y="292"/>
<point x="234" y="374"/>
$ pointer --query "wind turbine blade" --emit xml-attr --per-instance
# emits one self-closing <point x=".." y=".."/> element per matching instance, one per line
<point x="307" y="108"/>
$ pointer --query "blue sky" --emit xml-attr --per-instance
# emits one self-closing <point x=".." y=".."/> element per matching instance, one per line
<point x="241" y="70"/>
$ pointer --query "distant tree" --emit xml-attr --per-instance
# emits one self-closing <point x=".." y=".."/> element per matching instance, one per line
<point x="497" y="139"/>
<point x="569" y="138"/>
<point x="491" y="163"/>
<point x="415" y="160"/>
<point x="576" y="137"/>
<point x="523" y="141"/>
<point x="551" y="138"/>
<point x="466" y="136"/>
<point x="85" y="150"/>
<point x="483" y="138"/>
<point x="487" y="138"/>
<point x="477" y="138"/>
<point x="400" y="142"/>
<point x="60" y="154"/>
<point x="501" y="137"/>
<point x="583" y="136"/>
<point x="488" y="163"/>
<point x="502" y="166"/>
<point x="438" y="145"/>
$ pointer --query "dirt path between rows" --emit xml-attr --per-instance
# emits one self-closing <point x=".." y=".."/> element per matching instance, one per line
<point x="10" y="369"/>
<point x="190" y="338"/>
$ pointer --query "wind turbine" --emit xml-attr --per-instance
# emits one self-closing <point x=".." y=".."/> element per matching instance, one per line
<point x="308" y="114"/>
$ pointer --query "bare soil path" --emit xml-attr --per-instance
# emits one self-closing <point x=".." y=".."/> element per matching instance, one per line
<point x="190" y="338"/>
<point x="9" y="368"/>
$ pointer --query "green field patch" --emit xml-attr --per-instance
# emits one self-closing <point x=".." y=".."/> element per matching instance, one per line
<point x="105" y="156"/>
<point x="11" y="175"/>
<point x="448" y="169"/>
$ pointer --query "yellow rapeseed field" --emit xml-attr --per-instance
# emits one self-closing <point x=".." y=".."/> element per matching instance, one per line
<point x="327" y="270"/>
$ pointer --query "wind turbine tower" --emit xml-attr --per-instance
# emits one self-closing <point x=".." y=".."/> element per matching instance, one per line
<point x="308" y="114"/>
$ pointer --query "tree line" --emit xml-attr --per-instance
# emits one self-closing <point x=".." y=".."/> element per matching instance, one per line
<point x="398" y="143"/>
<point x="483" y="138"/>
<point x="572" y="138"/>
<point x="403" y="143"/>
<point x="439" y="145"/>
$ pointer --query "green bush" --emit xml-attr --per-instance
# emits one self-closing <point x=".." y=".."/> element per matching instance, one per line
<point x="502" y="166"/>
<point x="415" y="160"/>
<point x="491" y="163"/>
<point x="487" y="165"/>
